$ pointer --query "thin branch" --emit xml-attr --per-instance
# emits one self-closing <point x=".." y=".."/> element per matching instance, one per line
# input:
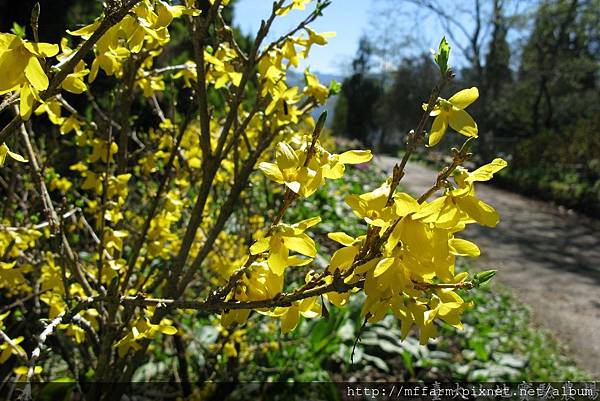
<point x="9" y="100"/>
<point x="18" y="351"/>
<point x="52" y="216"/>
<point x="135" y="253"/>
<point x="62" y="318"/>
<point x="283" y="300"/>
<point x="416" y="136"/>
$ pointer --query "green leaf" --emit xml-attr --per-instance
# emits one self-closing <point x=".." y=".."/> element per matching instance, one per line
<point x="442" y="55"/>
<point x="334" y="87"/>
<point x="18" y="30"/>
<point x="377" y="362"/>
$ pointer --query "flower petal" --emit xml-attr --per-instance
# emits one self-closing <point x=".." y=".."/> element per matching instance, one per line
<point x="272" y="171"/>
<point x="41" y="49"/>
<point x="278" y="260"/>
<point x="260" y="246"/>
<point x="438" y="129"/>
<point x="462" y="122"/>
<point x="294" y="186"/>
<point x="478" y="210"/>
<point x="462" y="247"/>
<point x="464" y="98"/>
<point x="382" y="266"/>
<point x="301" y="244"/>
<point x="485" y="173"/>
<point x="305" y="224"/>
<point x="286" y="156"/>
<point x="26" y="102"/>
<point x="17" y="157"/>
<point x="290" y="320"/>
<point x="342" y="238"/>
<point x="35" y="74"/>
<point x="355" y="156"/>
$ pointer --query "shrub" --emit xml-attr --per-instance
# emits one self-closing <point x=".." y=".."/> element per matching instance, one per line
<point x="157" y="220"/>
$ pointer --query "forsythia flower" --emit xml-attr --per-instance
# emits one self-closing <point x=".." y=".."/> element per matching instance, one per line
<point x="451" y="112"/>
<point x="20" y="67"/>
<point x="4" y="151"/>
<point x="305" y="180"/>
<point x="285" y="238"/>
<point x="343" y="257"/>
<point x="6" y="350"/>
<point x="314" y="38"/>
<point x="290" y="316"/>
<point x="372" y="206"/>
<point x="20" y="64"/>
<point x="143" y="329"/>
<point x="23" y="371"/>
<point x="294" y="5"/>
<point x="314" y="88"/>
<point x="461" y="204"/>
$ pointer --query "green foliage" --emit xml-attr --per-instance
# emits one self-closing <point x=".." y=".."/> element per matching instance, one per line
<point x="576" y="187"/>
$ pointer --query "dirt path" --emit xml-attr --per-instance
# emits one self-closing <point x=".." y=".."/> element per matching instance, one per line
<point x="550" y="259"/>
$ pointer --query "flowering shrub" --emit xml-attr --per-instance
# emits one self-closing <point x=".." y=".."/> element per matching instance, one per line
<point x="150" y="225"/>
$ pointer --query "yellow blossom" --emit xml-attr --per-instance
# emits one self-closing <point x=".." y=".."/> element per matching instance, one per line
<point x="451" y="112"/>
<point x="286" y="238"/>
<point x="4" y="151"/>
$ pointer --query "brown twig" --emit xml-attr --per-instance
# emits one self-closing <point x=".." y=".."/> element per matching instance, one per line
<point x="49" y="210"/>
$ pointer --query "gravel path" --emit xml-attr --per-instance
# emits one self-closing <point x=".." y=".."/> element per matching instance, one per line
<point x="550" y="258"/>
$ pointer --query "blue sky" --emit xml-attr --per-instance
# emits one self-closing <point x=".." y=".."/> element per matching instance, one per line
<point x="413" y="30"/>
<point x="348" y="18"/>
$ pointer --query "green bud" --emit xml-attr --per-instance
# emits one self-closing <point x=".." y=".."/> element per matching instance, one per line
<point x="18" y="30"/>
<point x="320" y="124"/>
<point x="483" y="277"/>
<point x="442" y="56"/>
<point x="334" y="88"/>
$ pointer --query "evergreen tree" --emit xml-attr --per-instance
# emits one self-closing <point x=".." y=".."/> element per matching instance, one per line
<point x="356" y="113"/>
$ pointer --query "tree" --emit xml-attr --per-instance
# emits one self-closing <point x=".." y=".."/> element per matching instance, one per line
<point x="359" y="98"/>
<point x="411" y="84"/>
<point x="556" y="86"/>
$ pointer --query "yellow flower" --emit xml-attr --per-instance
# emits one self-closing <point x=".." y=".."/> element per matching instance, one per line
<point x="304" y="181"/>
<point x="6" y="350"/>
<point x="143" y="329"/>
<point x="22" y="372"/>
<point x="314" y="88"/>
<point x="372" y="206"/>
<point x="290" y="316"/>
<point x="282" y="94"/>
<point x="451" y="112"/>
<point x="342" y="258"/>
<point x="294" y="5"/>
<point x="20" y="67"/>
<point x="285" y="238"/>
<point x="20" y="64"/>
<point x="74" y="81"/>
<point x="461" y="204"/>
<point x="314" y="38"/>
<point x="4" y="151"/>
